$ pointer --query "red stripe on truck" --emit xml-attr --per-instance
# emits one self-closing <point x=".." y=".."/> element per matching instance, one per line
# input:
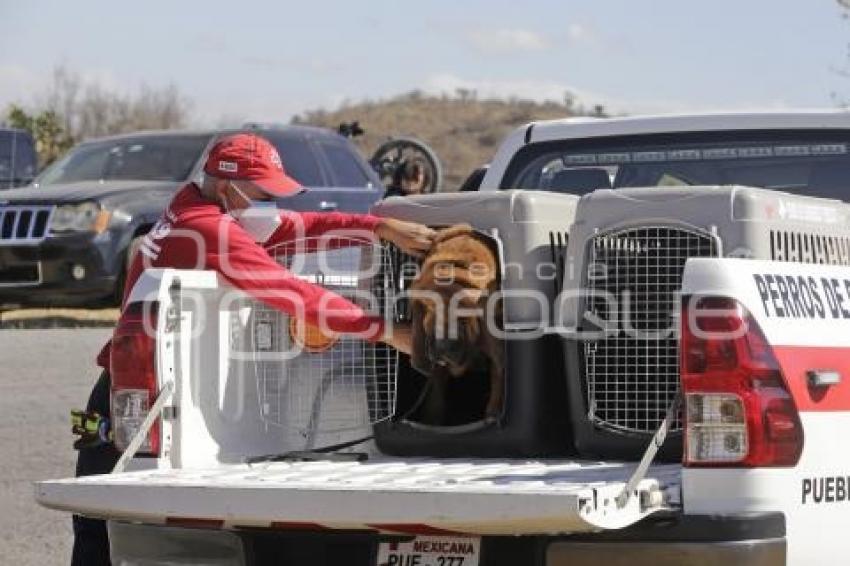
<point x="290" y="526"/>
<point x="797" y="361"/>
<point x="413" y="529"/>
<point x="194" y="522"/>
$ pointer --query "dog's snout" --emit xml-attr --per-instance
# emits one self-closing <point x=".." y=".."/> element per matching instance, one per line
<point x="449" y="348"/>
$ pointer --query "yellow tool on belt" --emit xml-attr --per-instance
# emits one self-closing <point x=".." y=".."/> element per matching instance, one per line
<point x="92" y="428"/>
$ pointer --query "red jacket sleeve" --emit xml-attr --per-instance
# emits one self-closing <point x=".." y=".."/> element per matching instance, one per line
<point x="245" y="264"/>
<point x="296" y="225"/>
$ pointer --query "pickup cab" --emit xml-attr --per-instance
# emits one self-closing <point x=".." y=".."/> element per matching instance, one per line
<point x="673" y="386"/>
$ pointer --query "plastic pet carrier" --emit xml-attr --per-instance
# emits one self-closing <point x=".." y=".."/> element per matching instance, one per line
<point x="320" y="385"/>
<point x="528" y="232"/>
<point x="629" y="249"/>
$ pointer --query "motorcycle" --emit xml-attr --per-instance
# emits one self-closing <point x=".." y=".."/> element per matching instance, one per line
<point x="395" y="153"/>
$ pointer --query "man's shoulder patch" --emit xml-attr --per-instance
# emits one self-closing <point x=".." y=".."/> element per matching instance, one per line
<point x="228" y="166"/>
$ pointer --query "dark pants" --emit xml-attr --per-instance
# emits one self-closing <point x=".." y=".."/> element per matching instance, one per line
<point x="91" y="543"/>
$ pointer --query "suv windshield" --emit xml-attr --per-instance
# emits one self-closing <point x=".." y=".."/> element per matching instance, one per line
<point x="806" y="163"/>
<point x="143" y="158"/>
<point x="298" y="156"/>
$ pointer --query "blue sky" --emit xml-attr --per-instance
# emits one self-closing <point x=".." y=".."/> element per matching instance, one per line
<point x="268" y="60"/>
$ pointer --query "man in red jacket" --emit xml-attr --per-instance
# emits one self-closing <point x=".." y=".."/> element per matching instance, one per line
<point x="221" y="224"/>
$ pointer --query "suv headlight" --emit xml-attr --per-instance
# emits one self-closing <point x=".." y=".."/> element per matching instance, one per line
<point x="85" y="217"/>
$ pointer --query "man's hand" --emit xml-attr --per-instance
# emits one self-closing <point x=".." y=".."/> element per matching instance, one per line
<point x="400" y="337"/>
<point x="414" y="239"/>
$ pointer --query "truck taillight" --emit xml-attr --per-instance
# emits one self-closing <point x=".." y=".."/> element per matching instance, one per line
<point x="133" y="375"/>
<point x="738" y="409"/>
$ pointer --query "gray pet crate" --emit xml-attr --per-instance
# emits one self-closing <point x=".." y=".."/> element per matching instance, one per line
<point x="633" y="245"/>
<point x="529" y="232"/>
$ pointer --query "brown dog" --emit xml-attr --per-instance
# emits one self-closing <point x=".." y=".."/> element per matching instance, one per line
<point x="448" y="305"/>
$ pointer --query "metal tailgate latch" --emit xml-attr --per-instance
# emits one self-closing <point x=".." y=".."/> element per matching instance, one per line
<point x="649" y="455"/>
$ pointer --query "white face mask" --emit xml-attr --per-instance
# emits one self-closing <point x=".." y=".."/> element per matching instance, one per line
<point x="260" y="220"/>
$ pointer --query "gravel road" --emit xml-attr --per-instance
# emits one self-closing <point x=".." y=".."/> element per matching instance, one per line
<point x="44" y="374"/>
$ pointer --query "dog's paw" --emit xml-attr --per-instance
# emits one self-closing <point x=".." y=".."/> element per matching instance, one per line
<point x="493" y="409"/>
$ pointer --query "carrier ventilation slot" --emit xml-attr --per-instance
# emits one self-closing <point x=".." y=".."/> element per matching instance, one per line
<point x="800" y="247"/>
<point x="558" y="248"/>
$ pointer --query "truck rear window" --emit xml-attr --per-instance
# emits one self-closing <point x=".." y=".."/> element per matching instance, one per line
<point x="815" y="163"/>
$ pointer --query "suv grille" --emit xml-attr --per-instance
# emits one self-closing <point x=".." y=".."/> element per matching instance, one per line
<point x="632" y="371"/>
<point x="24" y="224"/>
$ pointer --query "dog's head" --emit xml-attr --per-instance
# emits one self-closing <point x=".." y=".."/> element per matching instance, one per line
<point x="448" y="301"/>
<point x="442" y="336"/>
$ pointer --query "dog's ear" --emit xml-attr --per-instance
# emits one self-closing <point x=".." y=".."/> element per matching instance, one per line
<point x="452" y="232"/>
<point x="419" y="359"/>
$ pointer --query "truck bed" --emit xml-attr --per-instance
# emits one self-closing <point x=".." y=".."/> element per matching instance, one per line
<point x="417" y="496"/>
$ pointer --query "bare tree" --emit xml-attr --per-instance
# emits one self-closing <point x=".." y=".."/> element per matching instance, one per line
<point x="73" y="109"/>
<point x="88" y="109"/>
<point x="61" y="96"/>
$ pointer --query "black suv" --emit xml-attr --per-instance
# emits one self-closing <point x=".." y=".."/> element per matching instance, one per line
<point x="65" y="239"/>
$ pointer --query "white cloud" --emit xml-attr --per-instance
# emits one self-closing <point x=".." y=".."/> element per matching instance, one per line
<point x="549" y="90"/>
<point x="578" y="33"/>
<point x="502" y="41"/>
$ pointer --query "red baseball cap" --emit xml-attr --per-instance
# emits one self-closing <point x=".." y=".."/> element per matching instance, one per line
<point x="249" y="157"/>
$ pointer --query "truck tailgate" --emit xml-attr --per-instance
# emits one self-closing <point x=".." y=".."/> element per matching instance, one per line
<point x="484" y="497"/>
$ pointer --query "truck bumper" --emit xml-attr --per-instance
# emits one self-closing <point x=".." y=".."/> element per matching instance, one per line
<point x="695" y="540"/>
<point x="750" y="553"/>
<point x="702" y="540"/>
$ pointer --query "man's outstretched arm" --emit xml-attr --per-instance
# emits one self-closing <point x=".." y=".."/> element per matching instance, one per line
<point x="247" y="266"/>
<point x="411" y="237"/>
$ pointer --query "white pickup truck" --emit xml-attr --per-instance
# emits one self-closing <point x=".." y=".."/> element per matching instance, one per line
<point x="676" y="317"/>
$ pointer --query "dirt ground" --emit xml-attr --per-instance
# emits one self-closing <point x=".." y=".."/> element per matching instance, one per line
<point x="44" y="374"/>
<point x="58" y="318"/>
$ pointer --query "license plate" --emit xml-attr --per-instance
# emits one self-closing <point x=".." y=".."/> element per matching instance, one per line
<point x="431" y="551"/>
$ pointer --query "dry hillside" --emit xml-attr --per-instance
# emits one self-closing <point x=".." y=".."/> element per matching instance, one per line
<point x="464" y="131"/>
